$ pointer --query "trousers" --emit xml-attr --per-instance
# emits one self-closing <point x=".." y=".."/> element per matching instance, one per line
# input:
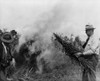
<point x="89" y="63"/>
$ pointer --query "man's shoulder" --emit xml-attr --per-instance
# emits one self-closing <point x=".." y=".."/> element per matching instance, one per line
<point x="96" y="37"/>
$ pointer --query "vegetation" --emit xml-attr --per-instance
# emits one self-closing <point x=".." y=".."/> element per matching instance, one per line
<point x="59" y="67"/>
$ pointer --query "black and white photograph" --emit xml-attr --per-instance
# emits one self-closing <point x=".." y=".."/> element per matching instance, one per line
<point x="49" y="40"/>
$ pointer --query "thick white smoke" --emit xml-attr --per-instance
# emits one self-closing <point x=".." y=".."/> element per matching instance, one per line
<point x="38" y="19"/>
<point x="65" y="16"/>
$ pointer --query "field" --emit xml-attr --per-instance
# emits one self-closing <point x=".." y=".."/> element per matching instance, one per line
<point x="58" y="67"/>
<point x="64" y="71"/>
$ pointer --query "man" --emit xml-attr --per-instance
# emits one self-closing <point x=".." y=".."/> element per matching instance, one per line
<point x="15" y="41"/>
<point x="90" y="55"/>
<point x="7" y="39"/>
<point x="15" y="36"/>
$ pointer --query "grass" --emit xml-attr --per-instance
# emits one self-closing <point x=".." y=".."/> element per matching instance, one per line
<point x="65" y="71"/>
<point x="61" y="68"/>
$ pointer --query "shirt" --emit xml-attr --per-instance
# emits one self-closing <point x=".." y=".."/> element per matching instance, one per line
<point x="86" y="42"/>
<point x="92" y="46"/>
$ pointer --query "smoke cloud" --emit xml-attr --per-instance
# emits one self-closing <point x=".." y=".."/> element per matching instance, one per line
<point x="38" y="19"/>
<point x="47" y="16"/>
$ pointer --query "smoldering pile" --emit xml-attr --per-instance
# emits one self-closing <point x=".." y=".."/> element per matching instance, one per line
<point x="36" y="52"/>
<point x="37" y="55"/>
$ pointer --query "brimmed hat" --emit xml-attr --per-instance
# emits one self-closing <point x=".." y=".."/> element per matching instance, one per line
<point x="7" y="37"/>
<point x="89" y="27"/>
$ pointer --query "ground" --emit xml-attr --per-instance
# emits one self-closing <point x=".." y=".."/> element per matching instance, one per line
<point x="65" y="72"/>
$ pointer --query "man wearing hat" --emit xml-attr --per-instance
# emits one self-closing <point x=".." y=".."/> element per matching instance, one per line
<point x="90" y="54"/>
<point x="6" y="39"/>
<point x="10" y="39"/>
<point x="15" y="36"/>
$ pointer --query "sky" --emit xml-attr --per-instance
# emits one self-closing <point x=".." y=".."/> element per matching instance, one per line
<point x="47" y="16"/>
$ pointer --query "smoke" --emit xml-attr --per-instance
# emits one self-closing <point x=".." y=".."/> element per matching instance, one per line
<point x="65" y="17"/>
<point x="46" y="24"/>
<point x="47" y="16"/>
<point x="37" y="20"/>
<point x="42" y="29"/>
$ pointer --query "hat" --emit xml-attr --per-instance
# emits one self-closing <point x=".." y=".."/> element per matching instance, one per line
<point x="7" y="37"/>
<point x="89" y="27"/>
